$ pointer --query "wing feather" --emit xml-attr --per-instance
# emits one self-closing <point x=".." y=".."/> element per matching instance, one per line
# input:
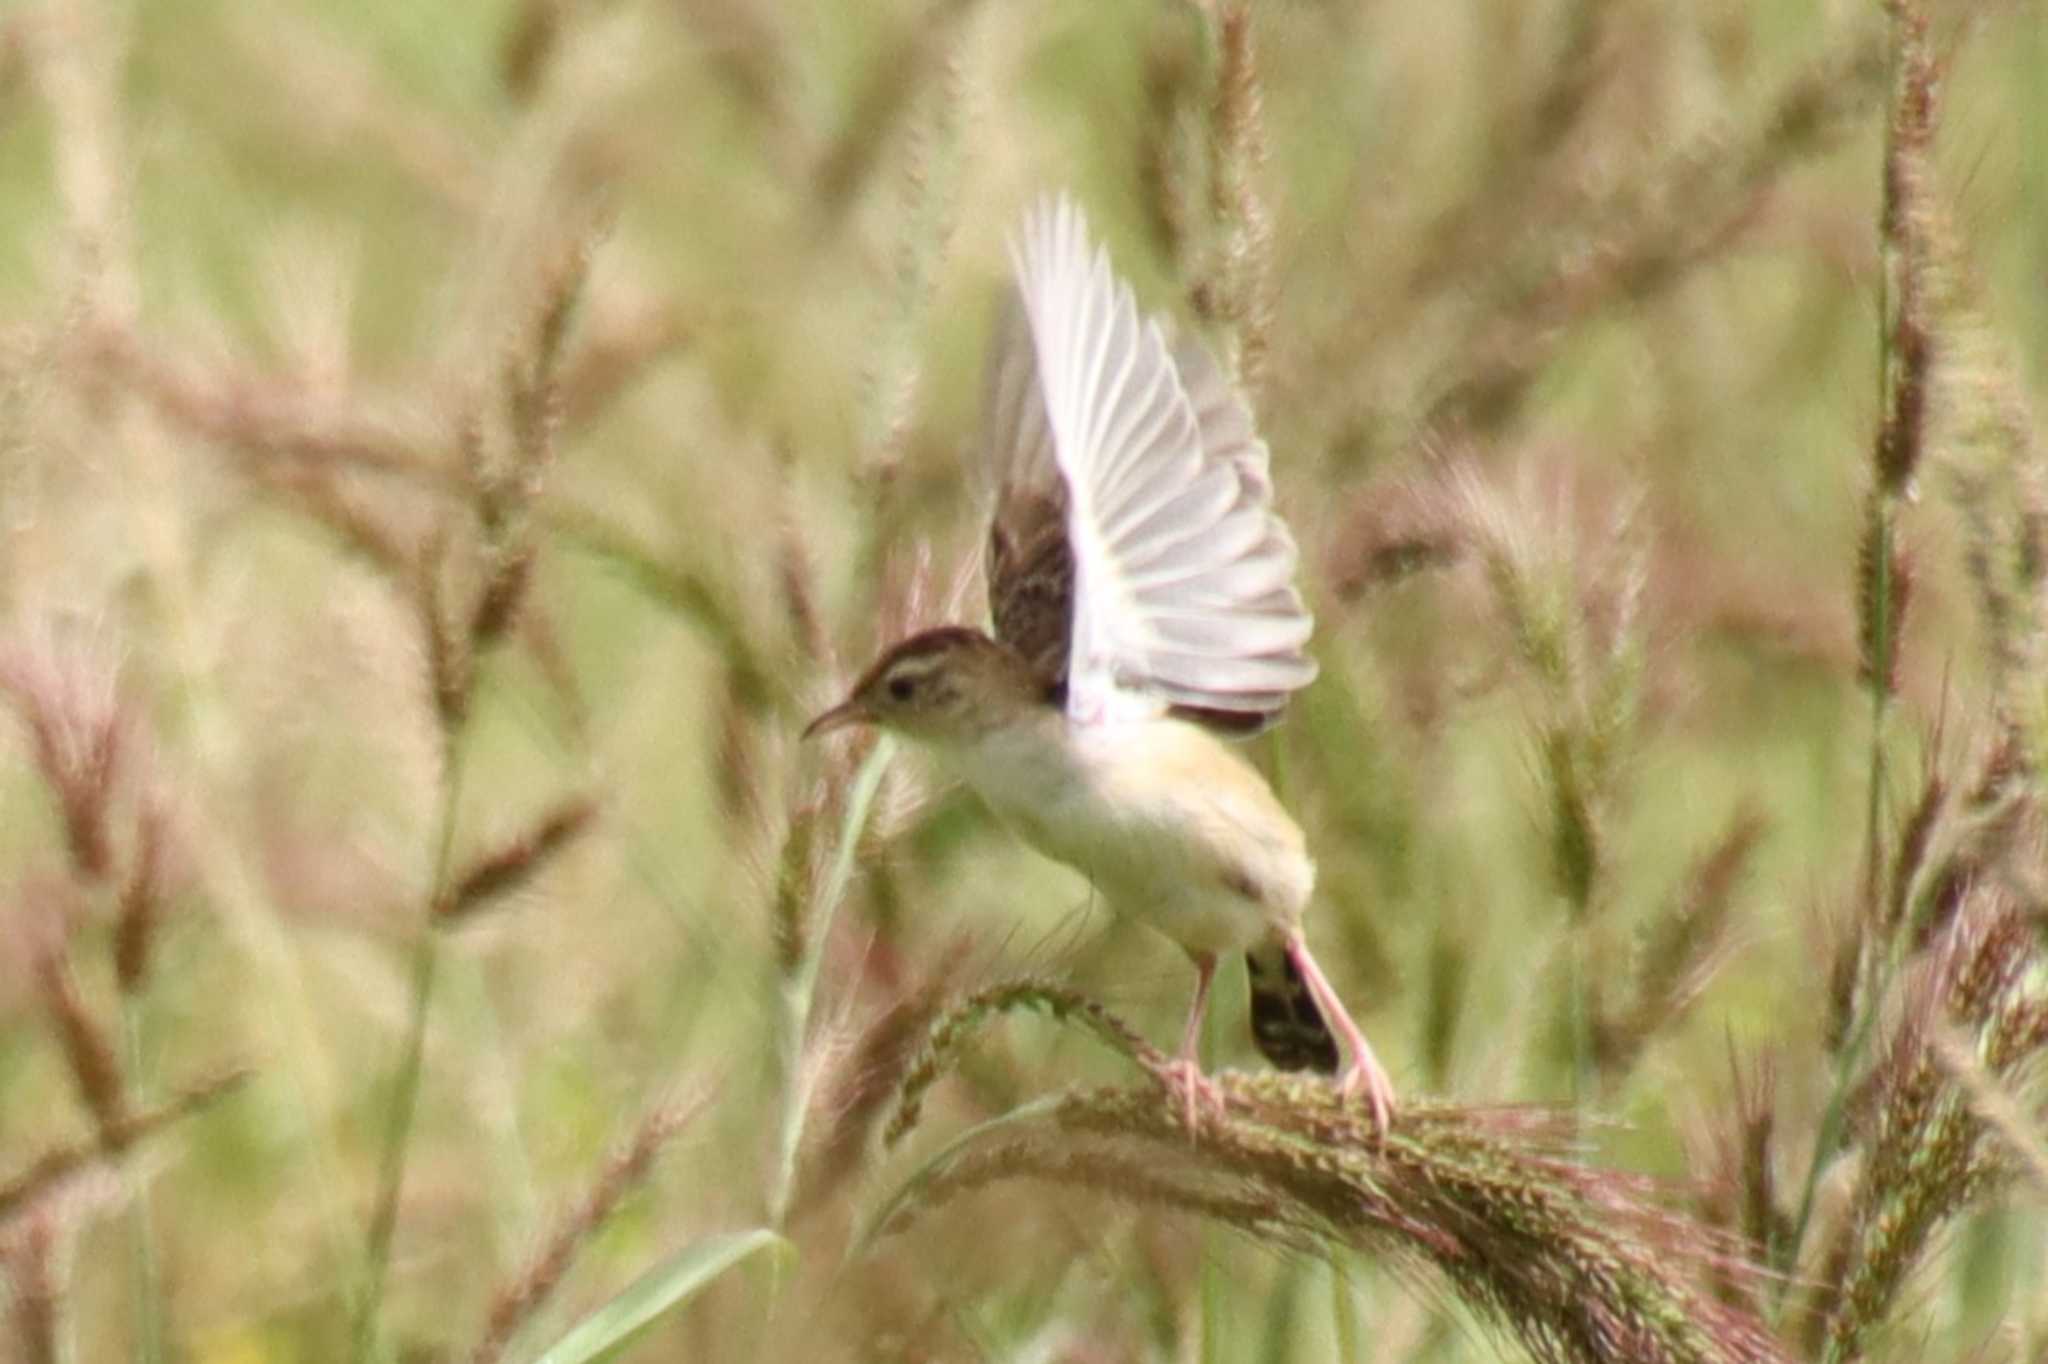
<point x="1027" y="563"/>
<point x="1182" y="575"/>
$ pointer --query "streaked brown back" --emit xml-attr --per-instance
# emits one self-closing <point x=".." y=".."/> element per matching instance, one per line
<point x="1031" y="581"/>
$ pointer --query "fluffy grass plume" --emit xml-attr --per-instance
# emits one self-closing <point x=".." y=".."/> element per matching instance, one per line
<point x="1576" y="1262"/>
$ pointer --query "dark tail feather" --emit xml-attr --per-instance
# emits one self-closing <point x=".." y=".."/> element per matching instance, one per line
<point x="1286" y="1025"/>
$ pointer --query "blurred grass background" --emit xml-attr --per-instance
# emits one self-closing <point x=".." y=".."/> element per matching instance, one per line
<point x="1562" y="319"/>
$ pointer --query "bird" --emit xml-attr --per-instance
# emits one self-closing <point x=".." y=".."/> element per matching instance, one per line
<point x="1143" y="614"/>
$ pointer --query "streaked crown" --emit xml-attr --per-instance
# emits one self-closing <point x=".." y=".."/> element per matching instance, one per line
<point x="951" y="684"/>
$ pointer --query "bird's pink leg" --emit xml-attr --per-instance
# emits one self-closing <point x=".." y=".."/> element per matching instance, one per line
<point x="1185" y="1070"/>
<point x="1365" y="1071"/>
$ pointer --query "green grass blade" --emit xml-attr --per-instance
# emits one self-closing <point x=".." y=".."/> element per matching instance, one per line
<point x="799" y="989"/>
<point x="661" y="1289"/>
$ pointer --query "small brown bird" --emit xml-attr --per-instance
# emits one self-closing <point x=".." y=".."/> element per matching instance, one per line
<point x="1142" y="592"/>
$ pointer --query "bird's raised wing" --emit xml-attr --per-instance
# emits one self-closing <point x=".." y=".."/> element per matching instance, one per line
<point x="1029" y="568"/>
<point x="1182" y="574"/>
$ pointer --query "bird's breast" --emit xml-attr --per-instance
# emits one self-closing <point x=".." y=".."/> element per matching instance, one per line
<point x="1170" y="825"/>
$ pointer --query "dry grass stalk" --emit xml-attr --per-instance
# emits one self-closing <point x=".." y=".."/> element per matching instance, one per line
<point x="470" y="582"/>
<point x="1866" y="958"/>
<point x="2005" y="524"/>
<point x="1579" y="1263"/>
<point x="1393" y="528"/>
<point x="737" y="744"/>
<point x="1924" y="1145"/>
<point x="798" y="867"/>
<point x="517" y="1299"/>
<point x="1236" y="290"/>
<point x="1915" y="836"/>
<point x="530" y="46"/>
<point x="1848" y="989"/>
<point x="1973" y="401"/>
<point x="18" y="32"/>
<point x="270" y="419"/>
<point x="926" y="194"/>
<point x="29" y="1257"/>
<point x="77" y="723"/>
<point x="88" y="1051"/>
<point x="1573" y="630"/>
<point x="451" y="663"/>
<point x="493" y="875"/>
<point x="870" y="1077"/>
<point x="849" y="162"/>
<point x="1761" y="1217"/>
<point x="1524" y="163"/>
<point x="139" y="912"/>
<point x="796" y="578"/>
<point x="618" y="351"/>
<point x="1166" y="146"/>
<point x="502" y="482"/>
<point x="1634" y="243"/>
<point x="815" y="874"/>
<point x="334" y="96"/>
<point x="1884" y="587"/>
<point x="1938" y="912"/>
<point x="697" y="597"/>
<point x="952" y="1030"/>
<point x="506" y="489"/>
<point x="1906" y="227"/>
<point x="53" y="1169"/>
<point x="1983" y="840"/>
<point x="1994" y="1102"/>
<point x="1678" y="951"/>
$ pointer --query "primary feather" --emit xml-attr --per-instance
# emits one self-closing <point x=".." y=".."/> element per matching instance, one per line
<point x="1134" y="554"/>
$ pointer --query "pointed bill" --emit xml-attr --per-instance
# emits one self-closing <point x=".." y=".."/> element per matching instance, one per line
<point x="842" y="716"/>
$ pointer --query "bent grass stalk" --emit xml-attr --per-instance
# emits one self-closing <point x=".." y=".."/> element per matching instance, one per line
<point x="1583" y="1265"/>
<point x="48" y="1173"/>
<point x="800" y="984"/>
<point x="253" y="926"/>
<point x="1902" y="362"/>
<point x="146" y="1288"/>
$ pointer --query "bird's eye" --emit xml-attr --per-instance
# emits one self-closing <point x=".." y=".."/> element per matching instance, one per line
<point x="900" y="688"/>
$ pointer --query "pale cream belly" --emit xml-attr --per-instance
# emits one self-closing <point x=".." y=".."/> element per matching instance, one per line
<point x="1147" y="874"/>
<point x="1172" y="828"/>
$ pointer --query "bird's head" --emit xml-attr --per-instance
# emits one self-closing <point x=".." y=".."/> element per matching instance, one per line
<point x="951" y="685"/>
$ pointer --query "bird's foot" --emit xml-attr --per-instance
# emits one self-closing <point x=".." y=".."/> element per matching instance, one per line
<point x="1364" y="1075"/>
<point x="1197" y="1091"/>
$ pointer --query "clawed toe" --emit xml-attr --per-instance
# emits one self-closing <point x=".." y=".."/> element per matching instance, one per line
<point x="1364" y="1075"/>
<point x="1197" y="1091"/>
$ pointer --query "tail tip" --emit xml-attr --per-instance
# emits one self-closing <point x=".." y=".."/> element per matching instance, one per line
<point x="1294" y="1049"/>
<point x="1287" y="1028"/>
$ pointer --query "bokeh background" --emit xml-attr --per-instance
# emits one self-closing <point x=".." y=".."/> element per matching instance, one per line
<point x="447" y="450"/>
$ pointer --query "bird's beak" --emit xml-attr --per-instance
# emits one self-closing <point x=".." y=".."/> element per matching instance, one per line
<point x="847" y="712"/>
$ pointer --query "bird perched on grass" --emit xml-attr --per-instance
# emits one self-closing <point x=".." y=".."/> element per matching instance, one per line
<point x="1141" y="589"/>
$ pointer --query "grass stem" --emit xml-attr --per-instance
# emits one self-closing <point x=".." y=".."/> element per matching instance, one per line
<point x="397" y="1141"/>
<point x="145" y="1289"/>
<point x="800" y="986"/>
<point x="1874" y="968"/>
<point x="405" y="1098"/>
